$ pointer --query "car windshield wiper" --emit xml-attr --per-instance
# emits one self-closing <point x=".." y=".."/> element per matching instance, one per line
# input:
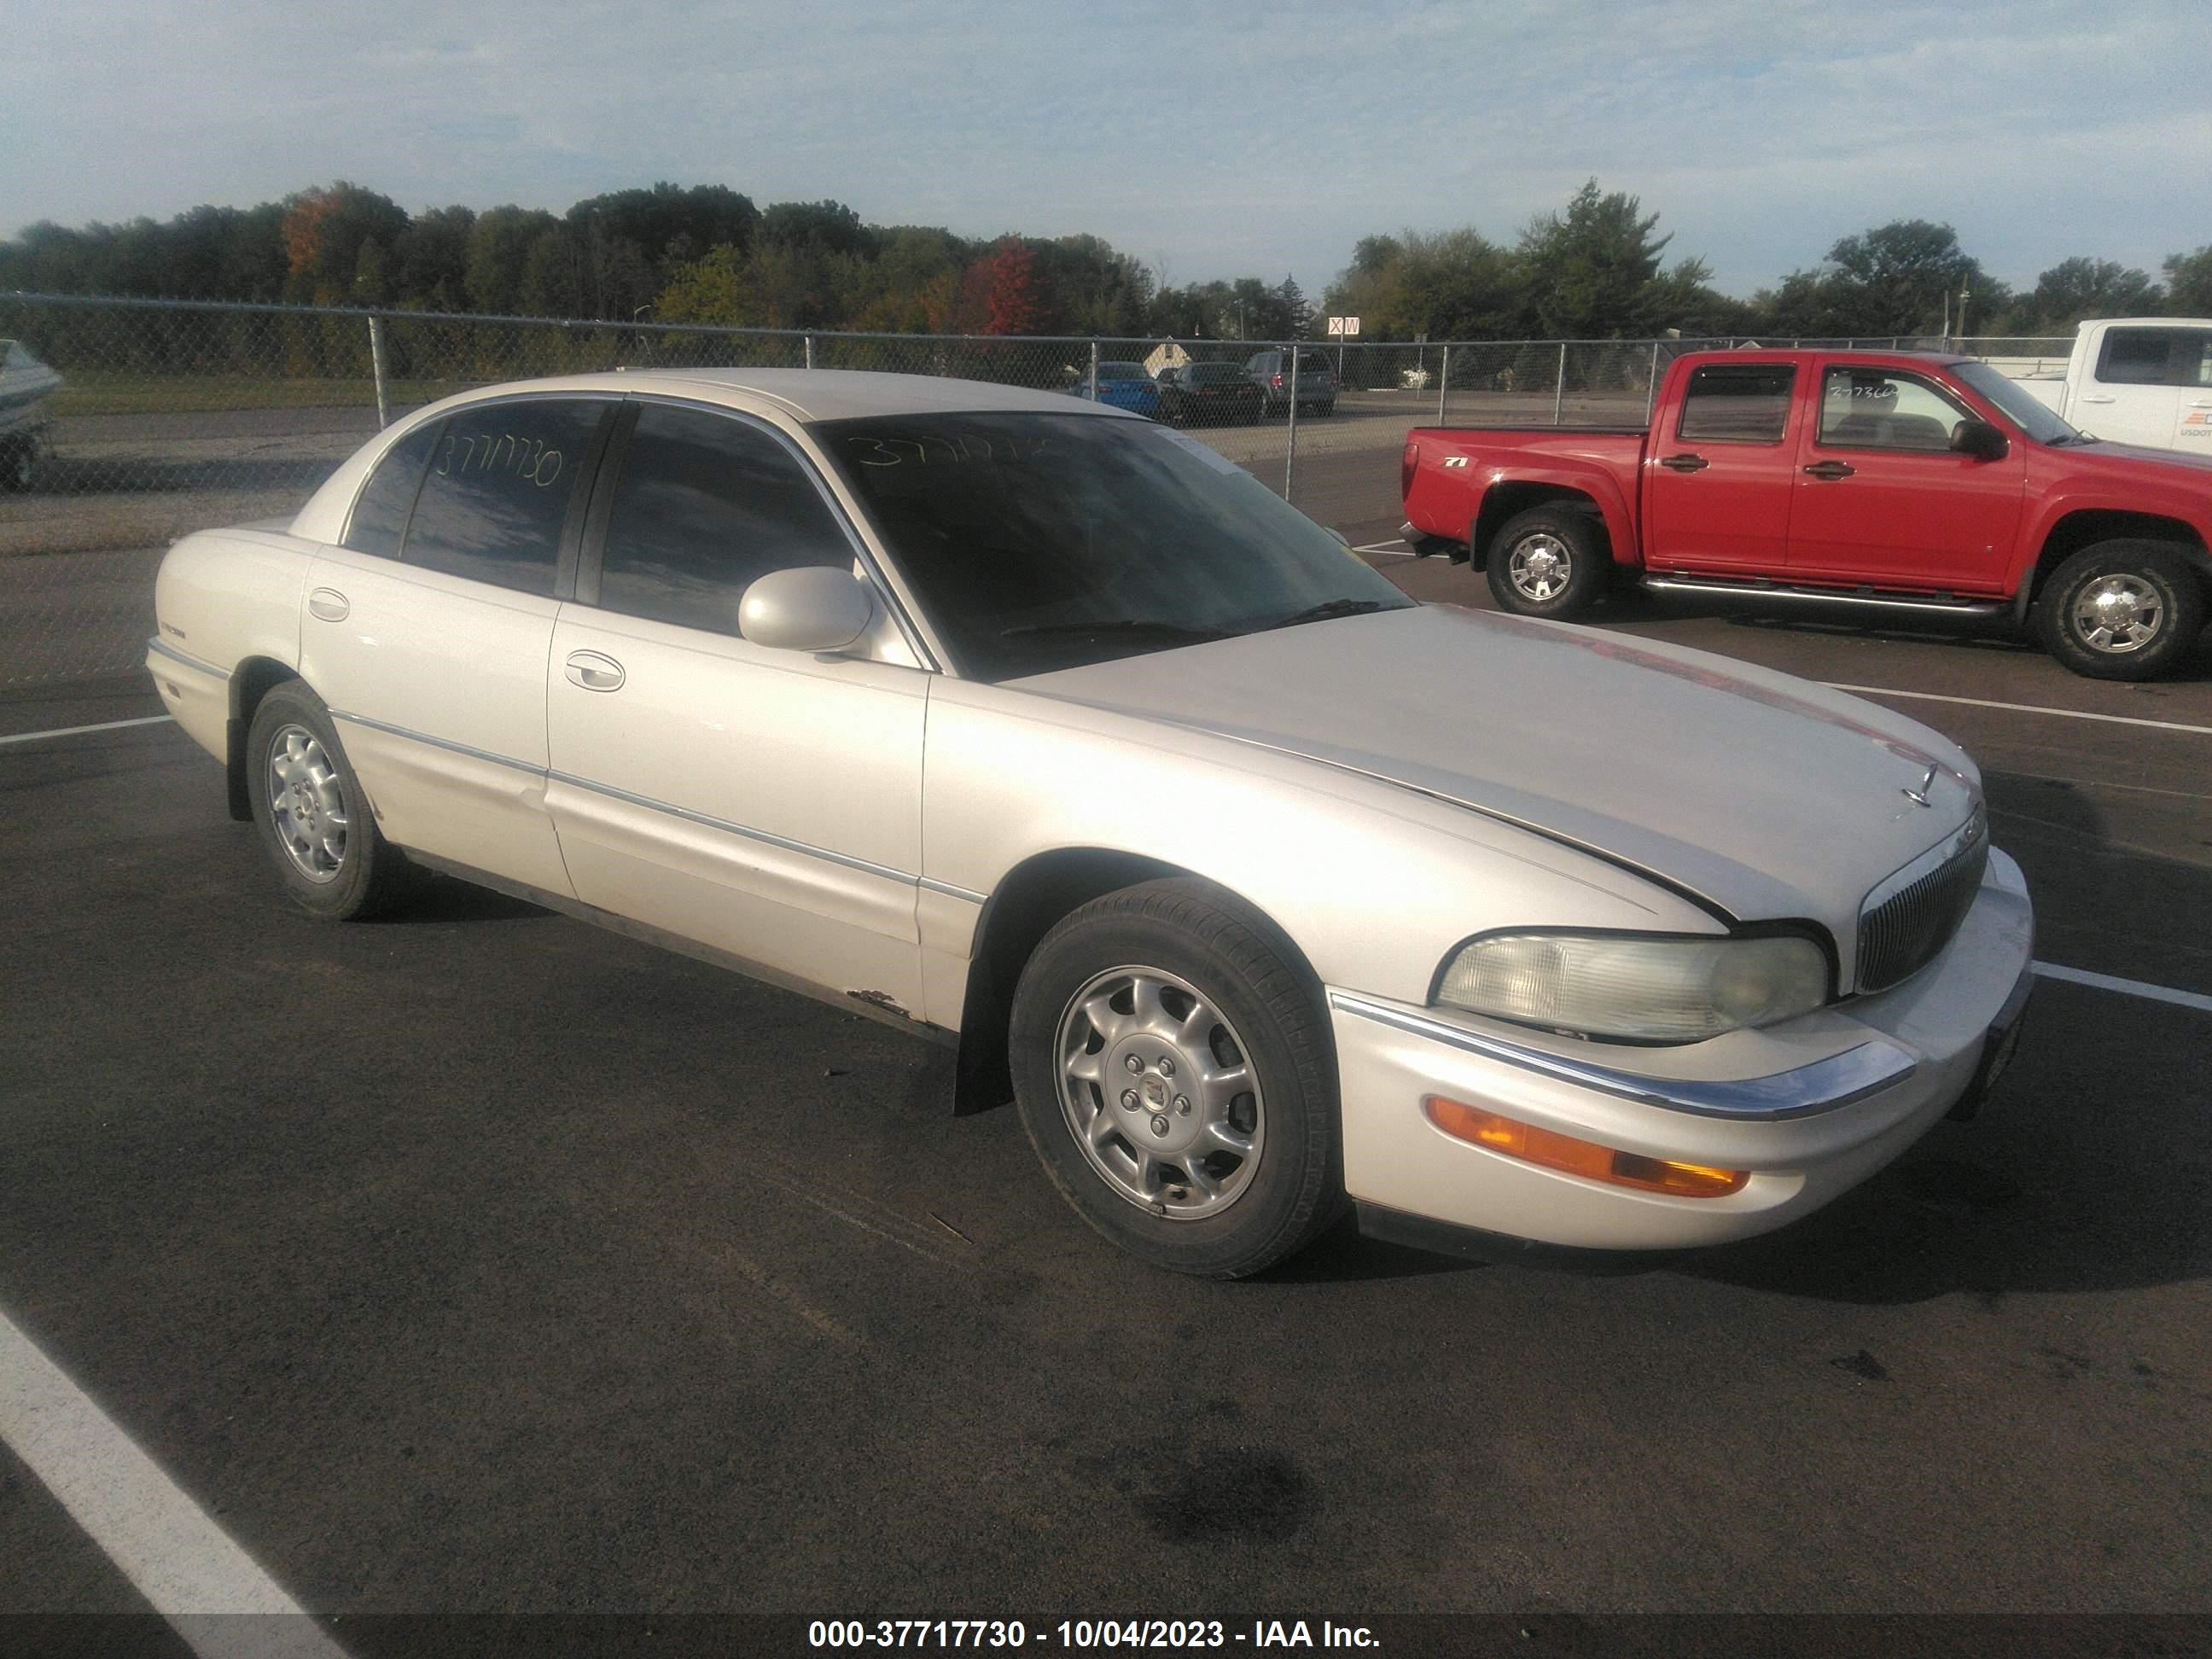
<point x="1166" y="630"/>
<point x="1328" y="609"/>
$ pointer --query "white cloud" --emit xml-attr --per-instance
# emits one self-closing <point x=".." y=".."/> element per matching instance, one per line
<point x="1237" y="136"/>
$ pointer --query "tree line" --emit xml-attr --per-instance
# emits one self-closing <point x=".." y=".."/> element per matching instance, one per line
<point x="1596" y="269"/>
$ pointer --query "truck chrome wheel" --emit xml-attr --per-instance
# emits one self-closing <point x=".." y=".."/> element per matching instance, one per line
<point x="1539" y="568"/>
<point x="2118" y="614"/>
<point x="1160" y="1093"/>
<point x="307" y="804"/>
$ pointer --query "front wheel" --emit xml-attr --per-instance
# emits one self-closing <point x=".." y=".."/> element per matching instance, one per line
<point x="311" y="813"/>
<point x="2121" y="611"/>
<point x="1173" y="1068"/>
<point x="1548" y="562"/>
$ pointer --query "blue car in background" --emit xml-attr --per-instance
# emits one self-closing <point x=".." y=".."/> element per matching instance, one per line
<point x="1125" y="385"/>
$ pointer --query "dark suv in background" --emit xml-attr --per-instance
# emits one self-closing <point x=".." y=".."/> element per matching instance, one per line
<point x="1271" y="372"/>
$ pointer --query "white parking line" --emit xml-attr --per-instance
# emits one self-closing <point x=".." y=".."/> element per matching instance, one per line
<point x="2132" y="988"/>
<point x="1393" y="549"/>
<point x="179" y="1561"/>
<point x="78" y="731"/>
<point x="2016" y="707"/>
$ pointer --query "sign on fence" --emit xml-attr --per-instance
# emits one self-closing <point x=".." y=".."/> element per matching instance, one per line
<point x="1346" y="326"/>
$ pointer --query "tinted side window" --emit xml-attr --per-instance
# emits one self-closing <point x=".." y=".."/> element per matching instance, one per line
<point x="497" y="493"/>
<point x="2141" y="356"/>
<point x="1737" y="403"/>
<point x="379" y="513"/>
<point x="706" y="504"/>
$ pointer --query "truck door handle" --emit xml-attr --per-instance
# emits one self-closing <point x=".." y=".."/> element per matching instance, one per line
<point x="1684" y="462"/>
<point x="327" y="604"/>
<point x="1830" y="470"/>
<point x="593" y="671"/>
<point x="2100" y="400"/>
<point x="2201" y="402"/>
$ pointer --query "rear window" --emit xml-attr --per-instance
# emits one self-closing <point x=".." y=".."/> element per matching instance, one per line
<point x="1124" y="372"/>
<point x="1214" y="372"/>
<point x="2154" y="356"/>
<point x="379" y="513"/>
<point x="496" y="496"/>
<point x="1737" y="403"/>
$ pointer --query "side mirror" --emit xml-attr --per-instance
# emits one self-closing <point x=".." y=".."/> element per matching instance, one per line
<point x="1981" y="441"/>
<point x="811" y="608"/>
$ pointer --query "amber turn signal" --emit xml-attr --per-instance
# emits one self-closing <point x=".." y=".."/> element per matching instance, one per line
<point x="1586" y="1159"/>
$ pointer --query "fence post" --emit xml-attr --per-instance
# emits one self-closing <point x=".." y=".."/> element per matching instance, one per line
<point x="810" y="351"/>
<point x="1094" y="371"/>
<point x="376" y="362"/>
<point x="1290" y="432"/>
<point x="1651" y="383"/>
<point x="1443" y="384"/>
<point x="1559" y="388"/>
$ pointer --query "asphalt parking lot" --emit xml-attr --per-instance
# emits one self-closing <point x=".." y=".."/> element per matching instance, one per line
<point x="475" y="1261"/>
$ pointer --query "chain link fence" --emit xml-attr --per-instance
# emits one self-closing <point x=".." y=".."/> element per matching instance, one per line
<point x="173" y="417"/>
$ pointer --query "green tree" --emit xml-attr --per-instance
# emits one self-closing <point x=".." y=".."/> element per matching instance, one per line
<point x="2076" y="289"/>
<point x="1587" y="274"/>
<point x="1902" y="278"/>
<point x="2189" y="283"/>
<point x="500" y="244"/>
<point x="430" y="259"/>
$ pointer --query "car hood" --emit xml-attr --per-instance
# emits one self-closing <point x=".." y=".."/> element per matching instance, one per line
<point x="1765" y="796"/>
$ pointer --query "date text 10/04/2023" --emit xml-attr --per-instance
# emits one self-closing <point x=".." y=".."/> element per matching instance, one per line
<point x="1084" y="1634"/>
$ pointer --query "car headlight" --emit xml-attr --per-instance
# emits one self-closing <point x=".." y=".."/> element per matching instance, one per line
<point x="1642" y="987"/>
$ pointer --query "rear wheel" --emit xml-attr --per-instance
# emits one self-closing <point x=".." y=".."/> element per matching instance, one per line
<point x="1550" y="562"/>
<point x="312" y="814"/>
<point x="1173" y="1069"/>
<point x="2121" y="611"/>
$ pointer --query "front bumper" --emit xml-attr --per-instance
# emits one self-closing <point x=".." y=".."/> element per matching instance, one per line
<point x="1810" y="1108"/>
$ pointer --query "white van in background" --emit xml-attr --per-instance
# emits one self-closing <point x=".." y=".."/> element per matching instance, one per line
<point x="2143" y="380"/>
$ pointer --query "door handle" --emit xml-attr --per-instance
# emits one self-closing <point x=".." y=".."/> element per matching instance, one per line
<point x="2201" y="402"/>
<point x="593" y="671"/>
<point x="2100" y="400"/>
<point x="1830" y="470"/>
<point x="1684" y="463"/>
<point x="328" y="604"/>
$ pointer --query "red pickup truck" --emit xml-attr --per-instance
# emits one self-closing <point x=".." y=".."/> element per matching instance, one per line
<point x="1894" y="479"/>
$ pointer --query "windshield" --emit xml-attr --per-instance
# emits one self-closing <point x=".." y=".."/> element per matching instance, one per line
<point x="2042" y="424"/>
<point x="1042" y="542"/>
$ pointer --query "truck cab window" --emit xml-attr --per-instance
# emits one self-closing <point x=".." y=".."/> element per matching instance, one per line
<point x="1737" y="404"/>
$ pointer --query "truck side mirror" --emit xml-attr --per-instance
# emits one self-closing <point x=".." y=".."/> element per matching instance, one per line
<point x="1981" y="441"/>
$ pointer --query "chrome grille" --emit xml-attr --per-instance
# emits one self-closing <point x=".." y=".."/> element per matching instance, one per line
<point x="1902" y="928"/>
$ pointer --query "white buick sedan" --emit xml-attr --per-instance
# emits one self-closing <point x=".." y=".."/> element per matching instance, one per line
<point x="1039" y="728"/>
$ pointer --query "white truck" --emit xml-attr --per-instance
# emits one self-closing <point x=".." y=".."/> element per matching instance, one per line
<point x="2143" y="380"/>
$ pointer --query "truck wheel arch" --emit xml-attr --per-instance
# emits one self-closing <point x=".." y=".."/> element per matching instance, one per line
<point x="2085" y="526"/>
<point x="1507" y="500"/>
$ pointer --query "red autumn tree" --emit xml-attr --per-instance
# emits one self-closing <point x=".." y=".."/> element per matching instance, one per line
<point x="1014" y="307"/>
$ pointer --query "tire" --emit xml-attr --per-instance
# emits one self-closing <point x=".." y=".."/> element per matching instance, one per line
<point x="311" y="814"/>
<point x="2121" y="611"/>
<point x="19" y="467"/>
<point x="1548" y="562"/>
<point x="1234" y="1178"/>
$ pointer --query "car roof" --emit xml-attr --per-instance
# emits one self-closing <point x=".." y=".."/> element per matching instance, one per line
<point x="816" y="394"/>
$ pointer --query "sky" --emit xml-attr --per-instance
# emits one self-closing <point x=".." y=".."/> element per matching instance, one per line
<point x="1208" y="138"/>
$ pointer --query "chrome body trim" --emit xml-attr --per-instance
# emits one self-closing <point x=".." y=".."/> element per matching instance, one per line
<point x="446" y="743"/>
<point x="765" y="838"/>
<point x="1961" y="840"/>
<point x="161" y="647"/>
<point x="1822" y="1086"/>
<point x="1825" y="596"/>
<point x="950" y="890"/>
